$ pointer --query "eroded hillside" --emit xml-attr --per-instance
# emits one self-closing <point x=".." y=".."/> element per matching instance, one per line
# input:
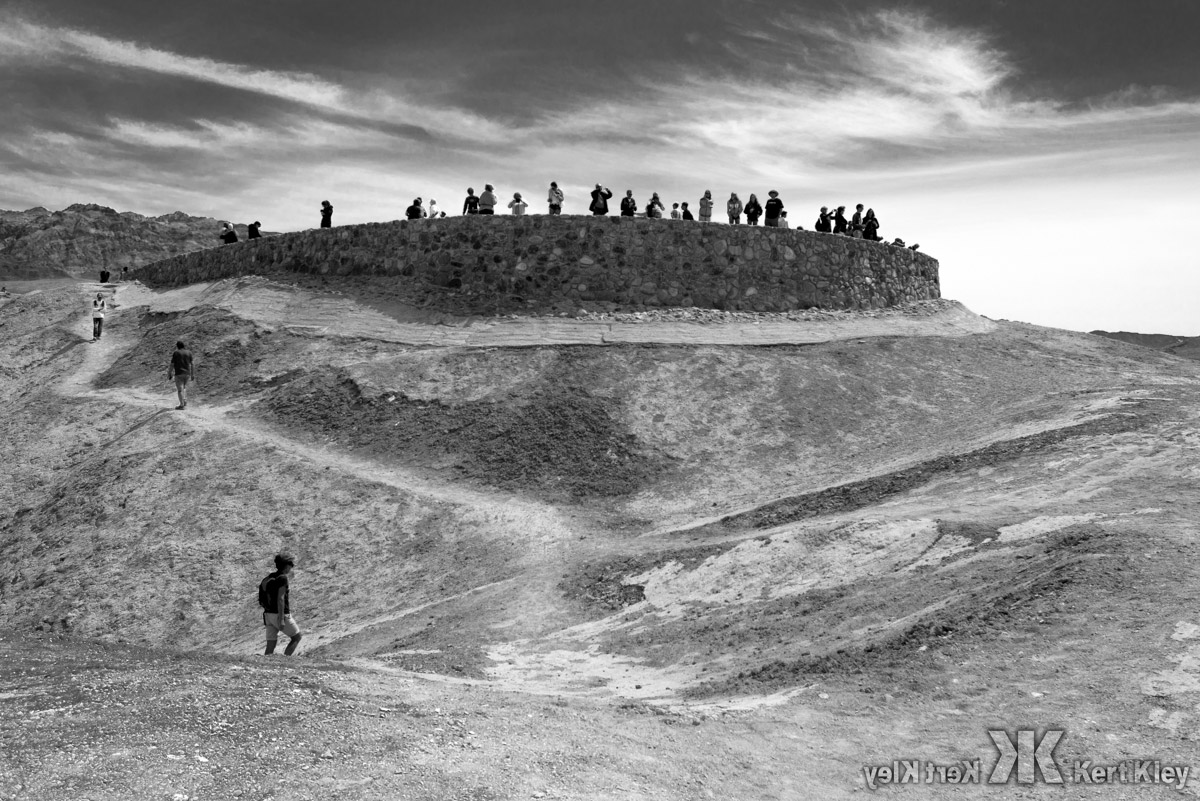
<point x="892" y="508"/>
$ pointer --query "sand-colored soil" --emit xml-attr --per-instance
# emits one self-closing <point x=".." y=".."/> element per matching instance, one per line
<point x="671" y="556"/>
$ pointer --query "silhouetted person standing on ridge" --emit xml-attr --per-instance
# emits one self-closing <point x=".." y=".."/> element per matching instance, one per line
<point x="734" y="209"/>
<point x="555" y="198"/>
<point x="753" y="210"/>
<point x="326" y="214"/>
<point x="277" y="610"/>
<point x="600" y="196"/>
<point x="773" y="210"/>
<point x="856" y="222"/>
<point x="706" y="206"/>
<point x="471" y="203"/>
<point x="824" y="221"/>
<point x="871" y="226"/>
<point x="840" y="225"/>
<point x="252" y="230"/>
<point x="517" y="205"/>
<point x="487" y="201"/>
<point x="628" y="204"/>
<point x="181" y="371"/>
<point x="98" y="308"/>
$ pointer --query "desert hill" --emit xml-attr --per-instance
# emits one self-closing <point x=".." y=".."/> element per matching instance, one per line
<point x="664" y="556"/>
<point x="1185" y="347"/>
<point x="85" y="238"/>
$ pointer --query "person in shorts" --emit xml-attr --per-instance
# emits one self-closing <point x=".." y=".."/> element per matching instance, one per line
<point x="181" y="371"/>
<point x="277" y="611"/>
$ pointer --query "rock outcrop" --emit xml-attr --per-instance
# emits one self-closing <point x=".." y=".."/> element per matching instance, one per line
<point x="85" y="238"/>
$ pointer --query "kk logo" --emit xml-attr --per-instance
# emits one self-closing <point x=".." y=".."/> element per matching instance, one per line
<point x="1025" y="752"/>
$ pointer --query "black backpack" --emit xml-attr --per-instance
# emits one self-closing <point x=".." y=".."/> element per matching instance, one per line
<point x="264" y="597"/>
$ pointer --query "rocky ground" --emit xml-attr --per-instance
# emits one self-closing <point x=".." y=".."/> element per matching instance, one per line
<point x="717" y="557"/>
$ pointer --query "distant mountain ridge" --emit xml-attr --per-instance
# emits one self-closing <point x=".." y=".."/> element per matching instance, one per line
<point x="85" y="238"/>
<point x="1185" y="347"/>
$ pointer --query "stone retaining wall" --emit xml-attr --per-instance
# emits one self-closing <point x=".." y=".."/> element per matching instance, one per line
<point x="488" y="264"/>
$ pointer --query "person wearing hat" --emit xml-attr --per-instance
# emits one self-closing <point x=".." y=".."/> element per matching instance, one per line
<point x="824" y="221"/>
<point x="252" y="230"/>
<point x="276" y="605"/>
<point x="772" y="210"/>
<point x="517" y="205"/>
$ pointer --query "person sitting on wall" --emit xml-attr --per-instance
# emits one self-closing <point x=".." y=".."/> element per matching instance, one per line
<point x="783" y="222"/>
<point x="628" y="204"/>
<point x="252" y="230"/>
<point x="434" y="211"/>
<point x="415" y="211"/>
<point x="683" y="209"/>
<point x="228" y="235"/>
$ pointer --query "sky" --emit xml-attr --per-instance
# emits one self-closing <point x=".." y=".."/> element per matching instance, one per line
<point x="1046" y="152"/>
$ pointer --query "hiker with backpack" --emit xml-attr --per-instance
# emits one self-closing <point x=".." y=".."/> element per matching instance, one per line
<point x="277" y="612"/>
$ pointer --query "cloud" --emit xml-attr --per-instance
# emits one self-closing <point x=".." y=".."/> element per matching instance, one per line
<point x="25" y="42"/>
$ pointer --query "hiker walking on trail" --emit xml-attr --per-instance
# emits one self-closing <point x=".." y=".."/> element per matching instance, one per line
<point x="277" y="610"/>
<point x="98" y="309"/>
<point x="181" y="371"/>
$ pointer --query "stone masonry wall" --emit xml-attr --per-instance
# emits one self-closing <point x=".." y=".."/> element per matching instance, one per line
<point x="487" y="264"/>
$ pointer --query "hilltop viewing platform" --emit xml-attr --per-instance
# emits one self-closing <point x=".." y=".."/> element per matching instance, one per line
<point x="490" y="264"/>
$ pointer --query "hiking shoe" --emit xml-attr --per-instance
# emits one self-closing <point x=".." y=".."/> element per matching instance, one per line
<point x="178" y="408"/>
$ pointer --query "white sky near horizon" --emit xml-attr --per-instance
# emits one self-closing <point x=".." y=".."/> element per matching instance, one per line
<point x="1049" y="162"/>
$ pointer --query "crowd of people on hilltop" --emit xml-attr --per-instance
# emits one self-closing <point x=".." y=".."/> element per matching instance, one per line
<point x="861" y="225"/>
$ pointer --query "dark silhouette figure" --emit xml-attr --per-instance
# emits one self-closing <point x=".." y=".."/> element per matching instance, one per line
<point x="600" y="196"/>
<point x="753" y="210"/>
<point x="415" y="211"/>
<point x="840" y="225"/>
<point x="628" y="204"/>
<point x="856" y="222"/>
<point x="181" y="372"/>
<point x="326" y="214"/>
<point x="824" y="222"/>
<point x="252" y="230"/>
<point x="228" y="235"/>
<point x="687" y="215"/>
<point x="871" y="226"/>
<point x="773" y="210"/>
<point x="471" y="204"/>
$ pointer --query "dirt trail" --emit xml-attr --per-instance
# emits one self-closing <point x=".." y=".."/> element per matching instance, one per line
<point x="335" y="315"/>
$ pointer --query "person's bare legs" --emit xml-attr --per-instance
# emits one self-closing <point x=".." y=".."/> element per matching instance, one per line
<point x="181" y="388"/>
